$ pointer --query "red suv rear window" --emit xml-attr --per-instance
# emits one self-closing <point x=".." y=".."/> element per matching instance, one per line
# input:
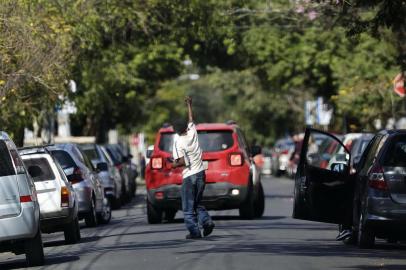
<point x="210" y="141"/>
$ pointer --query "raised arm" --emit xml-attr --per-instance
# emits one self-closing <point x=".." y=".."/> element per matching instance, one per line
<point x="188" y="101"/>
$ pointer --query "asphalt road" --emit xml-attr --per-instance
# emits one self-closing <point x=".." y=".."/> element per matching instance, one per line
<point x="274" y="242"/>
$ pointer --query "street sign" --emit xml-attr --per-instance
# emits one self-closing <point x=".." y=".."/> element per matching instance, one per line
<point x="399" y="85"/>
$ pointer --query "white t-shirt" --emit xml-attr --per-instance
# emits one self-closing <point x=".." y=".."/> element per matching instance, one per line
<point x="187" y="146"/>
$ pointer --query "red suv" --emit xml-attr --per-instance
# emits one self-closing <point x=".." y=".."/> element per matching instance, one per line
<point x="232" y="178"/>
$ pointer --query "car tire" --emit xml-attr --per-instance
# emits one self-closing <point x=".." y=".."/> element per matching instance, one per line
<point x="154" y="215"/>
<point x="115" y="203"/>
<point x="71" y="232"/>
<point x="91" y="217"/>
<point x="34" y="250"/>
<point x="259" y="206"/>
<point x="169" y="215"/>
<point x="104" y="216"/>
<point x="366" y="238"/>
<point x="247" y="210"/>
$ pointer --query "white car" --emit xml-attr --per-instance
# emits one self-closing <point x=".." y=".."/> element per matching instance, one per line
<point x="19" y="209"/>
<point x="56" y="197"/>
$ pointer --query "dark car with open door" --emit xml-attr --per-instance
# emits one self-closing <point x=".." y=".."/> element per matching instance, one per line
<point x="373" y="200"/>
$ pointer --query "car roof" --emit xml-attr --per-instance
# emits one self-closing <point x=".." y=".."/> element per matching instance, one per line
<point x="204" y="126"/>
<point x="392" y="131"/>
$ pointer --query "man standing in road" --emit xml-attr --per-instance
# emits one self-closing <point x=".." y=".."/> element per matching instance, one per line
<point x="188" y="154"/>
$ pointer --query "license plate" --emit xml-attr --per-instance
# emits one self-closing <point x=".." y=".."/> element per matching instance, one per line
<point x="205" y="165"/>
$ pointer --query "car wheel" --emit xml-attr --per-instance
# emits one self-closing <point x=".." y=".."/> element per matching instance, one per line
<point x="169" y="215"/>
<point x="71" y="232"/>
<point x="366" y="238"/>
<point x="259" y="202"/>
<point x="115" y="203"/>
<point x="34" y="250"/>
<point x="105" y="216"/>
<point x="91" y="217"/>
<point x="247" y="210"/>
<point x="154" y="215"/>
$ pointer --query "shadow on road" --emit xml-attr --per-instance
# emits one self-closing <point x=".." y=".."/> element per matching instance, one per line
<point x="378" y="267"/>
<point x="49" y="260"/>
<point x="58" y="243"/>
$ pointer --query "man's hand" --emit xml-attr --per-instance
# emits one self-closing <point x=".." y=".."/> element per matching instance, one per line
<point x="188" y="100"/>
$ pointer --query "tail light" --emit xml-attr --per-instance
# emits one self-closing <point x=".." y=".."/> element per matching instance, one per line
<point x="76" y="176"/>
<point x="159" y="195"/>
<point x="119" y="166"/>
<point x="284" y="152"/>
<point x="65" y="197"/>
<point x="376" y="178"/>
<point x="236" y="159"/>
<point x="26" y="198"/>
<point x="156" y="163"/>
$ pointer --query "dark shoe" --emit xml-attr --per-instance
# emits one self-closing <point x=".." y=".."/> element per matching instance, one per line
<point x="190" y="236"/>
<point x="208" y="229"/>
<point x="344" y="234"/>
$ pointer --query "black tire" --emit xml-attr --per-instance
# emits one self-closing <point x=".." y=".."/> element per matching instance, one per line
<point x="71" y="232"/>
<point x="91" y="217"/>
<point x="154" y="215"/>
<point x="34" y="251"/>
<point x="104" y="216"/>
<point x="115" y="203"/>
<point x="247" y="209"/>
<point x="259" y="206"/>
<point x="169" y="215"/>
<point x="366" y="237"/>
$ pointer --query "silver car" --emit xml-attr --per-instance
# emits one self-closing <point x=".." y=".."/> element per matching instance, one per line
<point x="19" y="209"/>
<point x="93" y="205"/>
<point x="56" y="197"/>
<point x="108" y="173"/>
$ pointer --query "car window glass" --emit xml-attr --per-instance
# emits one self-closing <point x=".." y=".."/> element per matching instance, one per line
<point x="6" y="164"/>
<point x="41" y="167"/>
<point x="64" y="159"/>
<point x="395" y="155"/>
<point x="370" y="154"/>
<point x="325" y="153"/>
<point x="91" y="153"/>
<point x="209" y="141"/>
<point x="18" y="163"/>
<point x="88" y="163"/>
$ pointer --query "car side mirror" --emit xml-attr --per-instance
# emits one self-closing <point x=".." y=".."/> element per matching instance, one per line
<point x="102" y="166"/>
<point x="35" y="171"/>
<point x="339" y="167"/>
<point x="255" y="150"/>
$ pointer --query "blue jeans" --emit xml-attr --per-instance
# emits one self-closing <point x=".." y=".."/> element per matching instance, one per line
<point x="193" y="211"/>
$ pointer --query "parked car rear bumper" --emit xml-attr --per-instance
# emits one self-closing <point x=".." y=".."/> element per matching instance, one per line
<point x="23" y="226"/>
<point x="216" y="196"/>
<point x="55" y="222"/>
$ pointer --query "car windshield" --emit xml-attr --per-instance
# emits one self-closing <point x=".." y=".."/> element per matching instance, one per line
<point x="209" y="141"/>
<point x="64" y="159"/>
<point x="41" y="167"/>
<point x="395" y="156"/>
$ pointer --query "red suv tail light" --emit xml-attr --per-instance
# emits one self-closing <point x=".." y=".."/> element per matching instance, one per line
<point x="156" y="163"/>
<point x="236" y="159"/>
<point x="376" y="178"/>
<point x="284" y="152"/>
<point x="76" y="176"/>
<point x="65" y="197"/>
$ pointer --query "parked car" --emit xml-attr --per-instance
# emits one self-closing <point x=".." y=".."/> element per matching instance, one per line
<point x="123" y="163"/>
<point x="375" y="194"/>
<point x="281" y="154"/>
<point x="108" y="173"/>
<point x="93" y="205"/>
<point x="267" y="166"/>
<point x="232" y="178"/>
<point x="56" y="197"/>
<point x="19" y="212"/>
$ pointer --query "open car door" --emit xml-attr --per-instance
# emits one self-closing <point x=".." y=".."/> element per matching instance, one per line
<point x="323" y="185"/>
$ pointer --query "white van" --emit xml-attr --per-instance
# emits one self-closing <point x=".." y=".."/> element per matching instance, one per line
<point x="56" y="197"/>
<point x="19" y="209"/>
